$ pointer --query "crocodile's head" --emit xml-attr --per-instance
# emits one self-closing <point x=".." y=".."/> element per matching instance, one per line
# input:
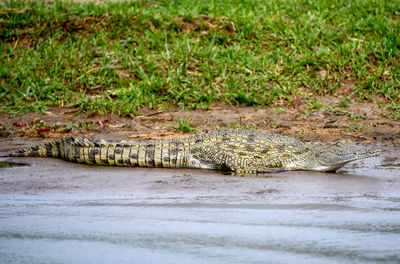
<point x="332" y="156"/>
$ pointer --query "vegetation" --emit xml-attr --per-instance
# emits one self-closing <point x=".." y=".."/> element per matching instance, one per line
<point x="40" y="128"/>
<point x="185" y="126"/>
<point x="234" y="125"/>
<point x="119" y="57"/>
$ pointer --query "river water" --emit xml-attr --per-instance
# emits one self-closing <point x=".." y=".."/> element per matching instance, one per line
<point x="57" y="212"/>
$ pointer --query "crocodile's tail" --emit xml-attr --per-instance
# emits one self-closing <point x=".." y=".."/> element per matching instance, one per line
<point x="43" y="150"/>
<point x="168" y="153"/>
<point x="65" y="148"/>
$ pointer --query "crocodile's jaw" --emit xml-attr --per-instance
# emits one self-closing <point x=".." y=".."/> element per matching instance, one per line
<point x="330" y="168"/>
<point x="314" y="166"/>
<point x="333" y="164"/>
<point x="329" y="157"/>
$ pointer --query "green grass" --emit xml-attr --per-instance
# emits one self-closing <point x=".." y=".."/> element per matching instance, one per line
<point x="185" y="126"/>
<point x="314" y="105"/>
<point x="235" y="125"/>
<point x="120" y="57"/>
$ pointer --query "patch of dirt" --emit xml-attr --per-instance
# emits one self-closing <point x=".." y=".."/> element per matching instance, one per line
<point x="204" y="25"/>
<point x="364" y="122"/>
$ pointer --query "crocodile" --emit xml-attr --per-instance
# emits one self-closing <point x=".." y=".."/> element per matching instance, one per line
<point x="244" y="152"/>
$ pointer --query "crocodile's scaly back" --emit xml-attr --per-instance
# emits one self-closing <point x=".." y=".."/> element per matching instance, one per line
<point x="242" y="151"/>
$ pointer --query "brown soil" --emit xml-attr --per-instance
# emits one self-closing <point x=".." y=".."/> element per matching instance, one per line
<point x="318" y="126"/>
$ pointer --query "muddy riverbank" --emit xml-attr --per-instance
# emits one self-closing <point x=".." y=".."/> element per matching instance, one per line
<point x="55" y="211"/>
<point x="39" y="176"/>
<point x="363" y="122"/>
<point x="59" y="212"/>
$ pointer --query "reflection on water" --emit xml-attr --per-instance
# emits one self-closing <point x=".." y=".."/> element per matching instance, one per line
<point x="6" y="164"/>
<point x="351" y="230"/>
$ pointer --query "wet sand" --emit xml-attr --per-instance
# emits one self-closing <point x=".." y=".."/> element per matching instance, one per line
<point x="52" y="208"/>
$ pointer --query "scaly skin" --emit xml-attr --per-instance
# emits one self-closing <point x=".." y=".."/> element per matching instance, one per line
<point x="241" y="151"/>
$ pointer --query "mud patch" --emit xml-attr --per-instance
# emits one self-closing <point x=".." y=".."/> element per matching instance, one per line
<point x="364" y="122"/>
